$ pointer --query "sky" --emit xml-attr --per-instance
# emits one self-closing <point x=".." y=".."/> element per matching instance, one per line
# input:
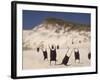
<point x="33" y="18"/>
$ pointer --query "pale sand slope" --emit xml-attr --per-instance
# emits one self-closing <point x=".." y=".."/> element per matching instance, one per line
<point x="41" y="37"/>
<point x="33" y="59"/>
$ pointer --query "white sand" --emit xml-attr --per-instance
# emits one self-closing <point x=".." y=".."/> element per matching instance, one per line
<point x="39" y="37"/>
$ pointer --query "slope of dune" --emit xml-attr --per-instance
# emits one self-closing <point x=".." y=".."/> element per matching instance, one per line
<point x="56" y="32"/>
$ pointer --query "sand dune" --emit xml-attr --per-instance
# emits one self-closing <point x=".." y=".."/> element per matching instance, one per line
<point x="42" y="37"/>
